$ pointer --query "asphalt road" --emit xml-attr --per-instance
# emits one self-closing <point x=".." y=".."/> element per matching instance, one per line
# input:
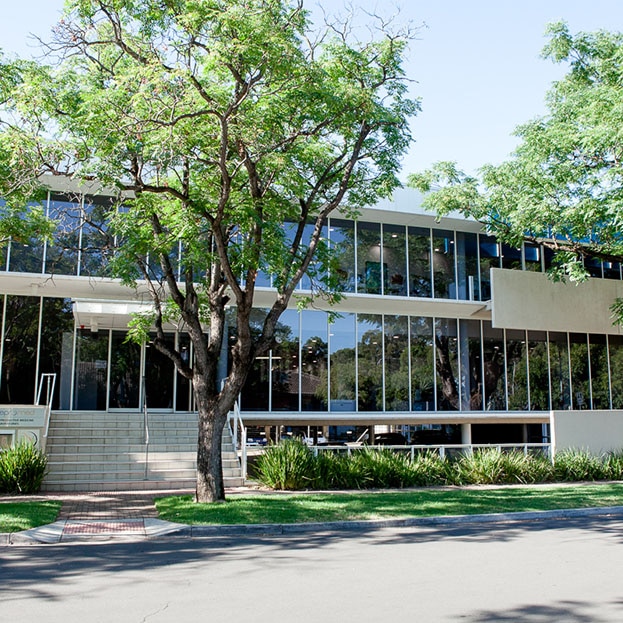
<point x="540" y="571"/>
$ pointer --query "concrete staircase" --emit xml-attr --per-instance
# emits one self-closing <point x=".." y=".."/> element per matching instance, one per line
<point x="99" y="451"/>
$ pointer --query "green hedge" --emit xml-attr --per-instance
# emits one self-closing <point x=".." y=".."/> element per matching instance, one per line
<point x="291" y="465"/>
<point x="22" y="469"/>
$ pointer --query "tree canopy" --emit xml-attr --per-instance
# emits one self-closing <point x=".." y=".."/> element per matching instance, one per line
<point x="231" y="128"/>
<point x="563" y="186"/>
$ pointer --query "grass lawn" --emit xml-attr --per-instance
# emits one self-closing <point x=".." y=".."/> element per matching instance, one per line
<point x="300" y="508"/>
<point x="16" y="516"/>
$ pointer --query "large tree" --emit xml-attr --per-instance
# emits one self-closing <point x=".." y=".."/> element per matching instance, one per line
<point x="231" y="126"/>
<point x="563" y="186"/>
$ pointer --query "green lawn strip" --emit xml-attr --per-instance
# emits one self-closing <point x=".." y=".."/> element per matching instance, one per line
<point x="360" y="505"/>
<point x="16" y="516"/>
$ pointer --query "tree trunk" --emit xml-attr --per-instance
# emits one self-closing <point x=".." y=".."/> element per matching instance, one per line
<point x="212" y="420"/>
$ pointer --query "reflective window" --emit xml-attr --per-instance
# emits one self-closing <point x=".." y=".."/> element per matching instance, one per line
<point x="593" y="267"/>
<point x="471" y="365"/>
<point x="96" y="244"/>
<point x="342" y="364"/>
<point x="447" y="364"/>
<point x="285" y="363"/>
<point x="511" y="257"/>
<point x="255" y="393"/>
<point x="318" y="268"/>
<point x="612" y="270"/>
<point x="494" y="368"/>
<point x="580" y="372"/>
<point x="61" y="255"/>
<point x="559" y="370"/>
<point x="489" y="258"/>
<point x="159" y="372"/>
<point x="517" y="370"/>
<point x="370" y="362"/>
<point x="615" y="346"/>
<point x="444" y="277"/>
<point x="467" y="266"/>
<point x="125" y="372"/>
<point x="314" y="361"/>
<point x="91" y="370"/>
<point x="342" y="244"/>
<point x="371" y="271"/>
<point x="422" y="369"/>
<point x="57" y="341"/>
<point x="19" y="355"/>
<point x="532" y="257"/>
<point x="600" y="379"/>
<point x="538" y="371"/>
<point x="420" y="281"/>
<point x="26" y="256"/>
<point x="396" y="363"/>
<point x="395" y="260"/>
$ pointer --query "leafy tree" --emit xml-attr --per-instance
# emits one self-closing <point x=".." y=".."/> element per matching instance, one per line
<point x="563" y="186"/>
<point x="217" y="121"/>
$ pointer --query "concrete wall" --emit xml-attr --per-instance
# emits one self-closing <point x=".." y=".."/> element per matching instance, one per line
<point x="595" y="431"/>
<point x="526" y="300"/>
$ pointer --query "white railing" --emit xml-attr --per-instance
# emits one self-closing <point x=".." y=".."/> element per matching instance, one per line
<point x="49" y="380"/>
<point x="443" y="449"/>
<point x="236" y="426"/>
<point x="145" y="425"/>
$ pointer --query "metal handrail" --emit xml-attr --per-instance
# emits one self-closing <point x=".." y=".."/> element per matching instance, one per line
<point x="50" y="380"/>
<point x="239" y="424"/>
<point x="145" y="425"/>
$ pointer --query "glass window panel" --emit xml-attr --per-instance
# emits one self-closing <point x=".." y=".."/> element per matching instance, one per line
<point x="342" y="363"/>
<point x="255" y="393"/>
<point x="125" y="372"/>
<point x="517" y="370"/>
<point x="532" y="257"/>
<point x="612" y="270"/>
<point x="369" y="267"/>
<point x="370" y="362"/>
<point x="395" y="259"/>
<point x="600" y="381"/>
<point x="511" y="257"/>
<point x="26" y="256"/>
<point x="548" y="257"/>
<point x="317" y="270"/>
<point x="593" y="267"/>
<point x="422" y="371"/>
<point x="539" y="371"/>
<point x="314" y="360"/>
<point x="559" y="370"/>
<point x="467" y="266"/>
<point x="447" y="364"/>
<point x="444" y="278"/>
<point x="61" y="256"/>
<point x="489" y="258"/>
<point x="91" y="370"/>
<point x="57" y="330"/>
<point x="419" y="242"/>
<point x="615" y="346"/>
<point x="396" y="363"/>
<point x="19" y="358"/>
<point x="342" y="245"/>
<point x="494" y="368"/>
<point x="159" y="372"/>
<point x="97" y="243"/>
<point x="580" y="377"/>
<point x="183" y="386"/>
<point x="285" y="363"/>
<point x="471" y="365"/>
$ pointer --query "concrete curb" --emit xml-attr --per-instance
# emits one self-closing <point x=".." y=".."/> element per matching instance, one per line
<point x="156" y="528"/>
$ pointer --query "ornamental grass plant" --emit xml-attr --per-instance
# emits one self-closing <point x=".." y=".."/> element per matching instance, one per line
<point x="22" y="469"/>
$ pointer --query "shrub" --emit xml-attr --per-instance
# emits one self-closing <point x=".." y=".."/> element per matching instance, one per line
<point x="578" y="465"/>
<point x="613" y="466"/>
<point x="289" y="465"/>
<point x="22" y="469"/>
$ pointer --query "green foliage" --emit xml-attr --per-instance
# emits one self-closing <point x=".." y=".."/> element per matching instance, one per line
<point x="289" y="465"/>
<point x="578" y="465"/>
<point x="18" y="516"/>
<point x="564" y="181"/>
<point x="22" y="469"/>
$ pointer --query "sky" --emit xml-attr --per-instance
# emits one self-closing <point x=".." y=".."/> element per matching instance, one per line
<point x="475" y="65"/>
